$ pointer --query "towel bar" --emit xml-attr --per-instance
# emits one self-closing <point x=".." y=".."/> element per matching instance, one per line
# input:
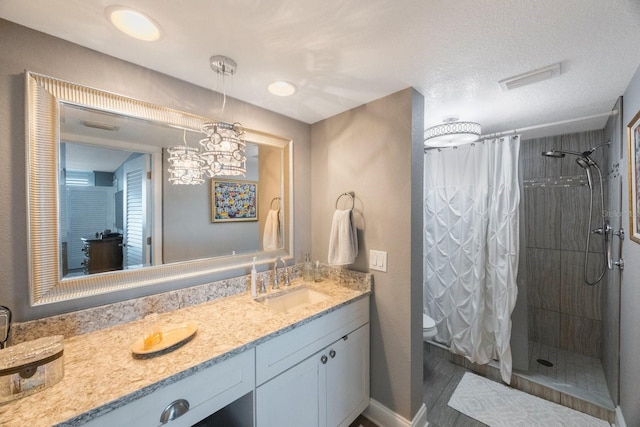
<point x="350" y="194"/>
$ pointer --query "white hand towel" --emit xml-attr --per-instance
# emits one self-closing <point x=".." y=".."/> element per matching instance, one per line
<point x="343" y="240"/>
<point x="271" y="238"/>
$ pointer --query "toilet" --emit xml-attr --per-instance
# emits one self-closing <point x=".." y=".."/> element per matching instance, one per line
<point x="428" y="327"/>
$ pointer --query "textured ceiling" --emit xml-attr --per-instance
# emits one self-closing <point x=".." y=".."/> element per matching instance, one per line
<point x="343" y="53"/>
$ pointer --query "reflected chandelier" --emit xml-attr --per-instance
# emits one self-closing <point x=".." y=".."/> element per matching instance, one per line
<point x="451" y="133"/>
<point x="185" y="164"/>
<point x="224" y="147"/>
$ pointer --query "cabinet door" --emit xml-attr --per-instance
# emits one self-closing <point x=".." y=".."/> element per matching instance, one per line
<point x="291" y="398"/>
<point x="347" y="377"/>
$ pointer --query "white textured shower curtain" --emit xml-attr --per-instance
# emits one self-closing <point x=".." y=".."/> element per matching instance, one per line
<point x="471" y="225"/>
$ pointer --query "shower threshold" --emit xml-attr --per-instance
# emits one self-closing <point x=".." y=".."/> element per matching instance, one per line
<point x="574" y="381"/>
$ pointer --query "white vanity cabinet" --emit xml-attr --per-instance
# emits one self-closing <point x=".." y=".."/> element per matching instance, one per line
<point x="317" y="374"/>
<point x="347" y="377"/>
<point x="206" y="392"/>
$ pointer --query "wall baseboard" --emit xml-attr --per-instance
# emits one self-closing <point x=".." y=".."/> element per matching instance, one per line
<point x="620" y="422"/>
<point x="383" y="416"/>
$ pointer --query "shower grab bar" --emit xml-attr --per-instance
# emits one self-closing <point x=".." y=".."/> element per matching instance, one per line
<point x="620" y="262"/>
<point x="606" y="232"/>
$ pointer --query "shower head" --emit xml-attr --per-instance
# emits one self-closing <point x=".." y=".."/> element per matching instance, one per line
<point x="583" y="159"/>
<point x="585" y="163"/>
<point x="553" y="153"/>
<point x="558" y="154"/>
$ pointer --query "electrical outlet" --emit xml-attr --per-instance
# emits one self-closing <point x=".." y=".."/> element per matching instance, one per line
<point x="378" y="260"/>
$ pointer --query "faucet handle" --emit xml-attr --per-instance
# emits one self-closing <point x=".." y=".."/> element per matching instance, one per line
<point x="263" y="289"/>
<point x="286" y="276"/>
<point x="5" y="325"/>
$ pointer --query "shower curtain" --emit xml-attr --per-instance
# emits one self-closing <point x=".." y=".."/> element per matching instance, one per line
<point x="471" y="242"/>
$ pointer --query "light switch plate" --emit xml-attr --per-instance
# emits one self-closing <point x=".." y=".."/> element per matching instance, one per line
<point x="378" y="260"/>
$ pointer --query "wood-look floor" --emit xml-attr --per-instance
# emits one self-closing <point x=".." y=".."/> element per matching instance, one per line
<point x="362" y="421"/>
<point x="440" y="380"/>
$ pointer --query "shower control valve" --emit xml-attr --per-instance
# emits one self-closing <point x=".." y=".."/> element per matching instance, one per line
<point x="619" y="264"/>
<point x="607" y="229"/>
<point x="619" y="233"/>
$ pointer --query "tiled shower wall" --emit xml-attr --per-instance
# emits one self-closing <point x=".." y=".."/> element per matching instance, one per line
<point x="563" y="311"/>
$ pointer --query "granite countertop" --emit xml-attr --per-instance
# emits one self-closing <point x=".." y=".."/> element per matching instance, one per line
<point x="101" y="374"/>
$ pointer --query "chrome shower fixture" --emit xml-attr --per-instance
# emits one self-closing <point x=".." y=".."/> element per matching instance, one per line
<point x="592" y="149"/>
<point x="586" y="162"/>
<point x="561" y="153"/>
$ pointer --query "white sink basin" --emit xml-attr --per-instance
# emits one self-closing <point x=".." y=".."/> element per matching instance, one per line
<point x="293" y="300"/>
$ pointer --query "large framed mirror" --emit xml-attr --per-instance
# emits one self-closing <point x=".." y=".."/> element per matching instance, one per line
<point x="102" y="214"/>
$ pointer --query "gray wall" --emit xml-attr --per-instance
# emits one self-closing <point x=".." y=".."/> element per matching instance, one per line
<point x="611" y="294"/>
<point x="22" y="48"/>
<point x="630" y="293"/>
<point x="563" y="311"/>
<point x="376" y="151"/>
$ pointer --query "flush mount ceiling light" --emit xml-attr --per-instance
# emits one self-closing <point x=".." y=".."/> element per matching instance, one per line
<point x="451" y="133"/>
<point x="133" y="23"/>
<point x="223" y="148"/>
<point x="530" y="77"/>
<point x="282" y="88"/>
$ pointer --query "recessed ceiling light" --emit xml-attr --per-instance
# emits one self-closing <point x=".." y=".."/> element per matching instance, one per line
<point x="133" y="23"/>
<point x="282" y="88"/>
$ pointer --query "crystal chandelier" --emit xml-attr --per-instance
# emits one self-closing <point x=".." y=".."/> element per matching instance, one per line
<point x="185" y="164"/>
<point x="223" y="148"/>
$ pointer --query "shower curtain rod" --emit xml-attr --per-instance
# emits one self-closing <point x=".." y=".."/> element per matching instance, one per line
<point x="546" y="125"/>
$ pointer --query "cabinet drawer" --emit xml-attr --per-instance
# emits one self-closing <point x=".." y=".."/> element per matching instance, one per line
<point x="206" y="391"/>
<point x="285" y="351"/>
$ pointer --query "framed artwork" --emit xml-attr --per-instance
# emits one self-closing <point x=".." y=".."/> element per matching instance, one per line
<point x="633" y="136"/>
<point x="234" y="200"/>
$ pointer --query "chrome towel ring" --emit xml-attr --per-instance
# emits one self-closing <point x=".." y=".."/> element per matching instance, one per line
<point x="349" y="194"/>
<point x="273" y="200"/>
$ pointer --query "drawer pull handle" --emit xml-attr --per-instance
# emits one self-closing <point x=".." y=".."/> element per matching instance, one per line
<point x="174" y="410"/>
<point x="332" y="353"/>
<point x="324" y="359"/>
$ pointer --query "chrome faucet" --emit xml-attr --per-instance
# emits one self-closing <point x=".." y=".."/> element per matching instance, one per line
<point x="276" y="279"/>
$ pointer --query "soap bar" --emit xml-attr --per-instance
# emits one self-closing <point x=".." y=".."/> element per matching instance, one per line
<point x="30" y="366"/>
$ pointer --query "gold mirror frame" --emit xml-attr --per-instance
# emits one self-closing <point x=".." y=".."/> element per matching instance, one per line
<point x="43" y="98"/>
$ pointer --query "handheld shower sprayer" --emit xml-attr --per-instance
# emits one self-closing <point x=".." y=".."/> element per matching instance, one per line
<point x="586" y="163"/>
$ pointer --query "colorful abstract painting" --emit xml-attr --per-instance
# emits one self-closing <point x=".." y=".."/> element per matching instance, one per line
<point x="234" y="201"/>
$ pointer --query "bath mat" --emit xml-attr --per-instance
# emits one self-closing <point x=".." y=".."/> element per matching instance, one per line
<point x="500" y="406"/>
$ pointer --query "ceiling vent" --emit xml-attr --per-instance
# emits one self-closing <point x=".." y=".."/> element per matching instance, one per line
<point x="98" y="125"/>
<point x="530" y="77"/>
